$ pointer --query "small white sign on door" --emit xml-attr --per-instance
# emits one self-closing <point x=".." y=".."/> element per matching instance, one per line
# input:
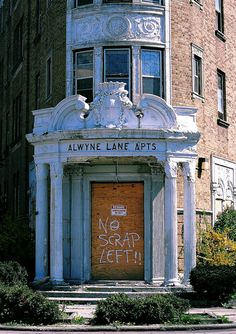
<point x="119" y="210"/>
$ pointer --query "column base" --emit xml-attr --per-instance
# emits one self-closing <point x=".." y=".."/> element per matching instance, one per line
<point x="40" y="280"/>
<point x="173" y="282"/>
<point x="158" y="281"/>
<point x="58" y="281"/>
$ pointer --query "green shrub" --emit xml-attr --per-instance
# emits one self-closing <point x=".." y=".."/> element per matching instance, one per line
<point x="140" y="310"/>
<point x="227" y="222"/>
<point x="12" y="272"/>
<point x="17" y="242"/>
<point x="20" y="304"/>
<point x="215" y="282"/>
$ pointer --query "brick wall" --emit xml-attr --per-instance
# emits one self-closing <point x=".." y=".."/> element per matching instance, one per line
<point x="191" y="24"/>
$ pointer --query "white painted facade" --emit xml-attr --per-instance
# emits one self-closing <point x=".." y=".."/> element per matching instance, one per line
<point x="113" y="141"/>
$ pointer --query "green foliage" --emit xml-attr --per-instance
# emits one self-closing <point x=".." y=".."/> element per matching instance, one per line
<point x="214" y="281"/>
<point x="17" y="242"/>
<point x="141" y="310"/>
<point x="215" y="248"/>
<point x="12" y="272"/>
<point x="20" y="304"/>
<point x="226" y="222"/>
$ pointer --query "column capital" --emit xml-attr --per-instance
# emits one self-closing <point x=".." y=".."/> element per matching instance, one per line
<point x="171" y="169"/>
<point x="189" y="170"/>
<point x="41" y="171"/>
<point x="56" y="170"/>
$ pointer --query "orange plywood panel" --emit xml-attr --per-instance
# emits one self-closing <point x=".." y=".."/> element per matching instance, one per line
<point x="117" y="231"/>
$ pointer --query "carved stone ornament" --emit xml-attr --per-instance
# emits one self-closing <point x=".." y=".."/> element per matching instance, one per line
<point x="171" y="169"/>
<point x="189" y="170"/>
<point x="117" y="26"/>
<point x="111" y="107"/>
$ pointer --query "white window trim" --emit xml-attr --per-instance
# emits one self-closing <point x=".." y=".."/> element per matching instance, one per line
<point x="197" y="51"/>
<point x="198" y="3"/>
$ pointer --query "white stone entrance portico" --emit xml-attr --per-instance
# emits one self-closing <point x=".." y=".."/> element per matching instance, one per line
<point x="112" y="141"/>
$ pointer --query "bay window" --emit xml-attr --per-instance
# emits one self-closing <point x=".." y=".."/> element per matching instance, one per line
<point x="117" y="66"/>
<point x="152" y="72"/>
<point x="84" y="74"/>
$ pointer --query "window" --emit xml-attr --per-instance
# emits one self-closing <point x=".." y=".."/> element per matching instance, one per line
<point x="117" y="66"/>
<point x="16" y="194"/>
<point x="49" y="3"/>
<point x="37" y="91"/>
<point x="197" y="71"/>
<point x="17" y="111"/>
<point x="219" y="16"/>
<point x="152" y="72"/>
<point x="159" y="2"/>
<point x="18" y="44"/>
<point x="197" y="2"/>
<point x="49" y="77"/>
<point x="37" y="17"/>
<point x="84" y="74"/>
<point x="221" y="95"/>
<point x="82" y="2"/>
<point x="116" y="1"/>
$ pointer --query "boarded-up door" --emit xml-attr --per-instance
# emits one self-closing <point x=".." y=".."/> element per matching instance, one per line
<point x="117" y="231"/>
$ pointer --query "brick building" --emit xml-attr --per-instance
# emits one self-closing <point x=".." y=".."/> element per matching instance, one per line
<point x="180" y="80"/>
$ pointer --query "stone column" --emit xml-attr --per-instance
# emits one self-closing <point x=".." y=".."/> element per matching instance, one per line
<point x="56" y="227"/>
<point x="136" y="76"/>
<point x="77" y="225"/>
<point x="189" y="219"/>
<point x="171" y="239"/>
<point x="41" y="224"/>
<point x="98" y="65"/>
<point x="158" y="247"/>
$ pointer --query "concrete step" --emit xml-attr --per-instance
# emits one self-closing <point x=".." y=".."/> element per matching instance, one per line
<point x="77" y="301"/>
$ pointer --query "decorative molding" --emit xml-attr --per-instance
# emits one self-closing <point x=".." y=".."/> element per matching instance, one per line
<point x="171" y="169"/>
<point x="189" y="168"/>
<point x="56" y="170"/>
<point x="119" y="26"/>
<point x="111" y="106"/>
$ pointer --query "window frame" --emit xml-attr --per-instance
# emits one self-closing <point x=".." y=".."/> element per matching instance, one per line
<point x="37" y="91"/>
<point x="78" y="4"/>
<point x="16" y="118"/>
<point x="18" y="44"/>
<point x="161" y="71"/>
<point x="105" y="49"/>
<point x="48" y="77"/>
<point x="221" y="113"/>
<point x="76" y="79"/>
<point x="197" y="56"/>
<point x="219" y="17"/>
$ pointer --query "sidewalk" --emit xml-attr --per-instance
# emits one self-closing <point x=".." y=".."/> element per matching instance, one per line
<point x="87" y="312"/>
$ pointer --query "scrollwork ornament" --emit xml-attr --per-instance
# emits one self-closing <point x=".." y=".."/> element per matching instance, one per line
<point x="189" y="170"/>
<point x="171" y="169"/>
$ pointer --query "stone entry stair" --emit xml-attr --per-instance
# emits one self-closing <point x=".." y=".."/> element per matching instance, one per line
<point x="82" y="299"/>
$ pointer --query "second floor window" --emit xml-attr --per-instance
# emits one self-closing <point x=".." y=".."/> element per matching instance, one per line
<point x="18" y="44"/>
<point x="17" y="114"/>
<point x="197" y="71"/>
<point x="152" y="72"/>
<point x="82" y="2"/>
<point x="221" y="95"/>
<point x="49" y="77"/>
<point x="219" y="15"/>
<point x="84" y="74"/>
<point x="117" y="66"/>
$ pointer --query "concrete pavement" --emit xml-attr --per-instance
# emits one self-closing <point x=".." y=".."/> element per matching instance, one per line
<point x="87" y="311"/>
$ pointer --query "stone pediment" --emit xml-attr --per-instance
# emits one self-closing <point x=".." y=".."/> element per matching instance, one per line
<point x="112" y="109"/>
